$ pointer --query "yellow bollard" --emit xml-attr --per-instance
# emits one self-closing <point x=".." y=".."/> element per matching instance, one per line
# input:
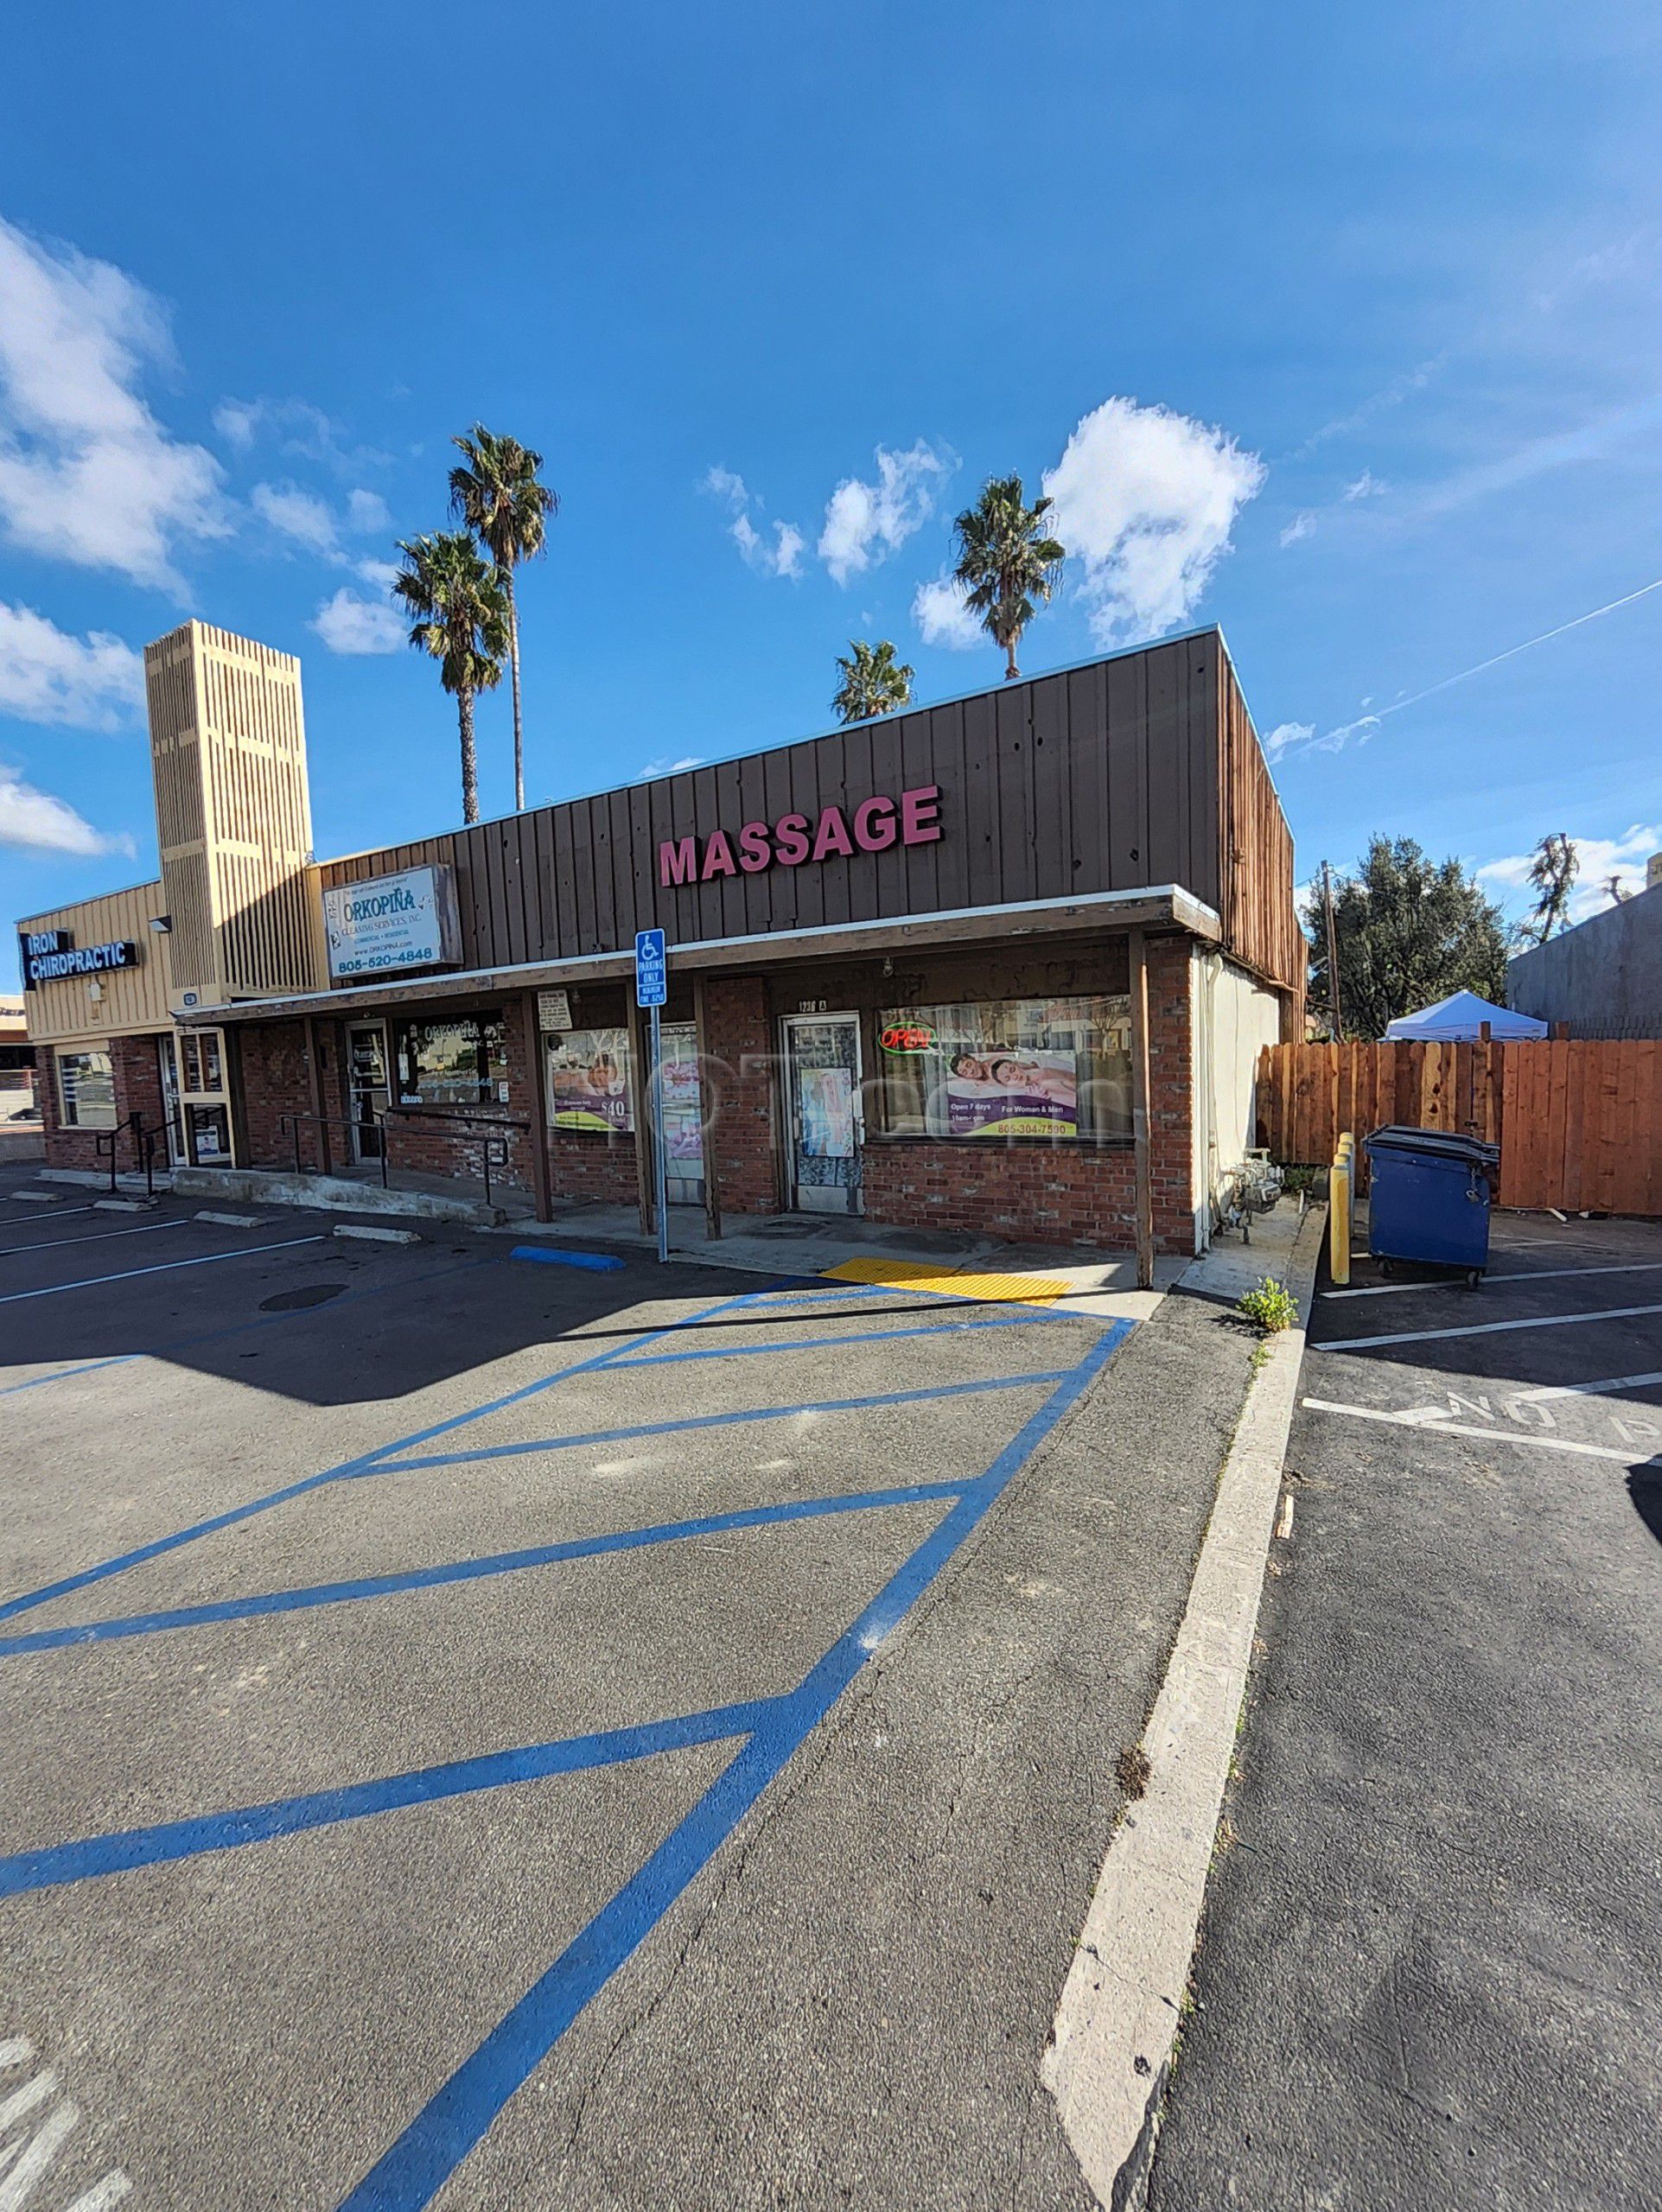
<point x="1339" y="1206"/>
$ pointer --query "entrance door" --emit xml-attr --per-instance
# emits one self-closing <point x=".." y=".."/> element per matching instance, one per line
<point x="822" y="1059"/>
<point x="167" y="1068"/>
<point x="683" y="1132"/>
<point x="368" y="1091"/>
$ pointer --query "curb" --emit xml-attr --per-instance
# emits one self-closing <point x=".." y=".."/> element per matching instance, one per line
<point x="1116" y="2023"/>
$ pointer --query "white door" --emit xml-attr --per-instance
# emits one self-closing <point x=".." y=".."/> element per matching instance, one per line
<point x="822" y="1061"/>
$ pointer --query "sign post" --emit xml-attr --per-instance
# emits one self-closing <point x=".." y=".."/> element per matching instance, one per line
<point x="652" y="988"/>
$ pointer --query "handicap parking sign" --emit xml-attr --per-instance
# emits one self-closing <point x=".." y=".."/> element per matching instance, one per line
<point x="651" y="979"/>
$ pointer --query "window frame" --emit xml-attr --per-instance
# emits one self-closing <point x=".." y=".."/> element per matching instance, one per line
<point x="1111" y="1008"/>
<point x="70" y="1116"/>
<point x="491" y="1045"/>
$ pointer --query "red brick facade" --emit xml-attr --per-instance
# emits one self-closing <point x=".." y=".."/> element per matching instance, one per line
<point x="138" y="1090"/>
<point x="1065" y="1193"/>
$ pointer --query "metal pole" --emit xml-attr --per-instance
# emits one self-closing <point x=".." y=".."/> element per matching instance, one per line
<point x="660" y="1168"/>
<point x="1333" y="954"/>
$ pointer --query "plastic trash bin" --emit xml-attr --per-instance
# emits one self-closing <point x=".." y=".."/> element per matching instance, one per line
<point x="1429" y="1196"/>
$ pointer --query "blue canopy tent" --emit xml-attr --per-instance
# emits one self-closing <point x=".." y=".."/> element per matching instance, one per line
<point x="1459" y="1020"/>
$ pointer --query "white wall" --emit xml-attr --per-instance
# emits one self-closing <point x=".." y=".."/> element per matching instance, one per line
<point x="1235" y="1016"/>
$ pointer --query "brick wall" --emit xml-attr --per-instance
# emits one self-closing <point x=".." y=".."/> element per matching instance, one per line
<point x="138" y="1090"/>
<point x="1171" y="1094"/>
<point x="740" y="1031"/>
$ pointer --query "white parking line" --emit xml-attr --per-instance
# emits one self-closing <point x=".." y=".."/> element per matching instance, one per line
<point x="22" y="2164"/>
<point x="1591" y="1389"/>
<point x="99" y="1235"/>
<point x="1483" y="1328"/>
<point x="1532" y="1274"/>
<point x="166" y="1267"/>
<point x="1427" y="1427"/>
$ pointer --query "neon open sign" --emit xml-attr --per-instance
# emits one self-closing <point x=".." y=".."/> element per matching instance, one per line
<point x="907" y="1037"/>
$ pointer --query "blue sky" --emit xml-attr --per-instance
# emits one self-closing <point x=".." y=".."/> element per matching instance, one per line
<point x="1342" y="333"/>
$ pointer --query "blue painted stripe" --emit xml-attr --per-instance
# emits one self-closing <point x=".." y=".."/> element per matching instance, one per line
<point x="863" y="1337"/>
<point x="347" y="1468"/>
<point x="242" y="1328"/>
<point x="411" y="2173"/>
<point x="55" y="1864"/>
<point x="1035" y="1380"/>
<point x="471" y="1570"/>
<point x="551" y="1255"/>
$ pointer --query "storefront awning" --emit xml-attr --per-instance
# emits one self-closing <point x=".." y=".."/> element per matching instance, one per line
<point x="1164" y="906"/>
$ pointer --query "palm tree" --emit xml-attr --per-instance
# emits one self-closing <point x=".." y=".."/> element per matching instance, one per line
<point x="1005" y="562"/>
<point x="498" y="493"/>
<point x="873" y="681"/>
<point x="1552" y="871"/>
<point x="460" y="604"/>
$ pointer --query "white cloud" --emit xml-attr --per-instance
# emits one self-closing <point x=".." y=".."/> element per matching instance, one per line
<point x="668" y="767"/>
<point x="864" y="522"/>
<point x="349" y="623"/>
<point x="381" y="574"/>
<point x="88" y="473"/>
<point x="1287" y="737"/>
<point x="1145" y="500"/>
<point x="298" y="515"/>
<point x="367" y="512"/>
<point x="938" y="609"/>
<point x="779" y="555"/>
<point x="48" y="675"/>
<point x="238" y="422"/>
<point x="299" y="432"/>
<point x="1599" y="859"/>
<point x="1367" y="485"/>
<point x="1301" y="525"/>
<point x="36" y="822"/>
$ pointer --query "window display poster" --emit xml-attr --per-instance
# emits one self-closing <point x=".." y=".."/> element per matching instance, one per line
<point x="1018" y="1093"/>
<point x="826" y="1105"/>
<point x="683" y="1127"/>
<point x="589" y="1080"/>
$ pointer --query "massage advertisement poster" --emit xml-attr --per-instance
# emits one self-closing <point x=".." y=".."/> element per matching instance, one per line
<point x="589" y="1080"/>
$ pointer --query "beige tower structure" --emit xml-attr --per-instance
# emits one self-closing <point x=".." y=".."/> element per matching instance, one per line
<point x="233" y="817"/>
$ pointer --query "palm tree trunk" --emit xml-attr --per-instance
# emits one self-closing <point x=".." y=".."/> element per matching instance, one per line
<point x="1010" y="669"/>
<point x="469" y="757"/>
<point x="519" y="728"/>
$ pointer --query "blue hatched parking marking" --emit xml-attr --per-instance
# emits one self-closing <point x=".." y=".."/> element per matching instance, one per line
<point x="860" y="1337"/>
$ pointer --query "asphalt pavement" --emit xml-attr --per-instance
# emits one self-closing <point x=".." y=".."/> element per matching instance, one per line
<point x="482" y="1733"/>
<point x="1430" y="1972"/>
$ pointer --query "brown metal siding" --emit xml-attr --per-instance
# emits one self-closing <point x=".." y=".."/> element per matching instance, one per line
<point x="1260" y="918"/>
<point x="1106" y="777"/>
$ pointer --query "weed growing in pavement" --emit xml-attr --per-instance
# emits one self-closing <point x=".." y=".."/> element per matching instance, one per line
<point x="1133" y="1769"/>
<point x="1271" y="1304"/>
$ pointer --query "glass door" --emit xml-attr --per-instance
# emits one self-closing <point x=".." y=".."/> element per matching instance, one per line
<point x="368" y="1089"/>
<point x="683" y="1127"/>
<point x="822" y="1064"/>
<point x="167" y="1067"/>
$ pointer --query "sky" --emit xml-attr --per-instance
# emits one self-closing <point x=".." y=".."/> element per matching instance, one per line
<point x="1342" y="332"/>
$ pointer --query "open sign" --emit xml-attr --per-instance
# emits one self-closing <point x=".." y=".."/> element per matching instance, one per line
<point x="907" y="1037"/>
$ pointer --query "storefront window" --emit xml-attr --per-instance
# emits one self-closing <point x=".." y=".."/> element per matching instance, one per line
<point x="204" y="1060"/>
<point x="589" y="1080"/>
<point x="1053" y="1068"/>
<point x="451" y="1064"/>
<point x="87" y="1088"/>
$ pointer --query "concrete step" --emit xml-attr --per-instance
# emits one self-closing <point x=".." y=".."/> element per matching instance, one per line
<point x="333" y="1193"/>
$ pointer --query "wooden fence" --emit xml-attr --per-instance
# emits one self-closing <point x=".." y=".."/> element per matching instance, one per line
<point x="1578" y="1121"/>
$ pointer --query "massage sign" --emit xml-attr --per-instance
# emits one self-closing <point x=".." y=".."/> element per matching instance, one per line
<point x="796" y="839"/>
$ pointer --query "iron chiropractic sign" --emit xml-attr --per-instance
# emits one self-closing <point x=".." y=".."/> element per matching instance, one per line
<point x="50" y="954"/>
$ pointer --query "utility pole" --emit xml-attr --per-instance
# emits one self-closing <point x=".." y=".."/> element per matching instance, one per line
<point x="1333" y="953"/>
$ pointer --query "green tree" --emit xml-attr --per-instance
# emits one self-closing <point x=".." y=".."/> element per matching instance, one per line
<point x="1552" y="871"/>
<point x="1407" y="932"/>
<point x="497" y="492"/>
<point x="461" y="605"/>
<point x="1006" y="564"/>
<point x="873" y="681"/>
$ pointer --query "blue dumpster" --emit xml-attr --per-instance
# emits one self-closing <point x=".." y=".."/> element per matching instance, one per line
<point x="1429" y="1195"/>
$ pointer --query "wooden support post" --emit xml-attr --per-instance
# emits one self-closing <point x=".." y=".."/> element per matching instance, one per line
<point x="639" y="1051"/>
<point x="1141" y="1145"/>
<point x="542" y="1186"/>
<point x="315" y="1071"/>
<point x="707" y="1105"/>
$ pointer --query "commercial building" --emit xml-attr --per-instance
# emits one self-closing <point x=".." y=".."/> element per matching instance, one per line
<point x="1603" y="978"/>
<point x="1001" y="964"/>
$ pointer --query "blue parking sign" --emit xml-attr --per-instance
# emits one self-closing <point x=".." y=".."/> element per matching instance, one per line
<point x="652" y="971"/>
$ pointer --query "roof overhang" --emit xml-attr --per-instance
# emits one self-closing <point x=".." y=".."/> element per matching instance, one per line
<point x="1161" y="907"/>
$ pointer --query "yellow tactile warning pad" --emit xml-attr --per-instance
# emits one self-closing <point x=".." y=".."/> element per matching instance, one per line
<point x="918" y="1275"/>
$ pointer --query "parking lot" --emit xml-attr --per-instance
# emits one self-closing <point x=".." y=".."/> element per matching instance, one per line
<point x="482" y="1733"/>
<point x="1431" y="1973"/>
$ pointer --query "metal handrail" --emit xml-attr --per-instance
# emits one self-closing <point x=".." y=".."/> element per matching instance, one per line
<point x="496" y="1151"/>
<point x="144" y="1149"/>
